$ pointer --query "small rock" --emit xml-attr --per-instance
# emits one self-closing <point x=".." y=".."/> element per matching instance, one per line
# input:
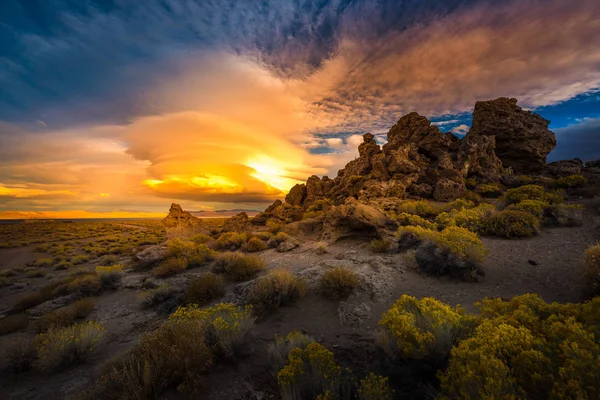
<point x="532" y="262"/>
<point x="288" y="245"/>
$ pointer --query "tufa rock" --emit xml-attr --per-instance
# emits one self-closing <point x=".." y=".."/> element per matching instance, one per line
<point x="565" y="167"/>
<point x="522" y="138"/>
<point x="237" y="223"/>
<point x="178" y="217"/>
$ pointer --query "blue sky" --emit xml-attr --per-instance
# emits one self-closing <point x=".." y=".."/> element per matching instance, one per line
<point x="91" y="89"/>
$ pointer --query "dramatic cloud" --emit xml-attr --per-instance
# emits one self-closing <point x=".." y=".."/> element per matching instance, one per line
<point x="578" y="141"/>
<point x="130" y="107"/>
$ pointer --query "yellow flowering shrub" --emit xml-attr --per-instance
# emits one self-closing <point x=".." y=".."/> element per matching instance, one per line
<point x="68" y="345"/>
<point x="591" y="270"/>
<point x="510" y="224"/>
<point x="169" y="267"/>
<point x="422" y="208"/>
<point x="527" y="192"/>
<point x="226" y="326"/>
<point x="230" y="241"/>
<point x="279" y="350"/>
<point x="196" y="254"/>
<point x="490" y="190"/>
<point x="309" y="372"/>
<point x="254" y="245"/>
<point x="458" y="204"/>
<point x="572" y="181"/>
<point x="339" y="282"/>
<point x="526" y="348"/>
<point x="405" y="219"/>
<point x="534" y="207"/>
<point x="380" y="245"/>
<point x="109" y="275"/>
<point x="278" y="288"/>
<point x="375" y="387"/>
<point x="421" y="329"/>
<point x="469" y="218"/>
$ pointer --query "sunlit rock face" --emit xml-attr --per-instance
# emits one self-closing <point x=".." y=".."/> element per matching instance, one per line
<point x="178" y="217"/>
<point x="522" y="138"/>
<point x="420" y="161"/>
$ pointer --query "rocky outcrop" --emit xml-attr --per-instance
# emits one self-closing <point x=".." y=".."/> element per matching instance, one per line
<point x="354" y="219"/>
<point x="565" y="167"/>
<point x="178" y="217"/>
<point x="522" y="138"/>
<point x="237" y="223"/>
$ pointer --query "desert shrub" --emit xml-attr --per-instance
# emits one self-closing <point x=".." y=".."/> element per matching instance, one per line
<point x="470" y="183"/>
<point x="205" y="288"/>
<point x="201" y="238"/>
<point x="170" y="266"/>
<point x="31" y="300"/>
<point x="109" y="259"/>
<point x="458" y="204"/>
<point x="43" y="262"/>
<point x="157" y="296"/>
<point x="110" y="275"/>
<point x="469" y="218"/>
<point x="64" y="316"/>
<point x="591" y="270"/>
<point x="525" y="348"/>
<point x="534" y="207"/>
<point x="69" y="345"/>
<point x="339" y="282"/>
<point x="471" y="196"/>
<point x="230" y="241"/>
<point x="380" y="245"/>
<point x="490" y="190"/>
<point x="226" y="326"/>
<point x="423" y="329"/>
<point x="527" y="192"/>
<point x="275" y="226"/>
<point x="8" y="272"/>
<point x="572" y="181"/>
<point x="510" y="224"/>
<point x="321" y="248"/>
<point x="310" y="373"/>
<point x="35" y="273"/>
<point x="63" y="265"/>
<point x="279" y="350"/>
<point x="282" y="237"/>
<point x="81" y="259"/>
<point x="375" y="387"/>
<point x="421" y="208"/>
<point x="17" y="355"/>
<point x="42" y="248"/>
<point x="13" y="323"/>
<point x="194" y="254"/>
<point x="278" y="288"/>
<point x="85" y="285"/>
<point x="320" y="205"/>
<point x="405" y="219"/>
<point x="565" y="214"/>
<point x="265" y="236"/>
<point x="172" y="355"/>
<point x="4" y="281"/>
<point x="254" y="245"/>
<point x="238" y="266"/>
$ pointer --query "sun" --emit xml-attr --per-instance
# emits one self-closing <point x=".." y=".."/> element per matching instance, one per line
<point x="271" y="172"/>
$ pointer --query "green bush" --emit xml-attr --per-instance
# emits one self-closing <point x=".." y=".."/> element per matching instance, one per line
<point x="591" y="270"/>
<point x="195" y="254"/>
<point x="63" y="265"/>
<point x="205" y="288"/>
<point x="535" y="207"/>
<point x="81" y="259"/>
<point x="237" y="266"/>
<point x="458" y="204"/>
<point x="469" y="218"/>
<point x="339" y="282"/>
<point x="422" y="208"/>
<point x="170" y="266"/>
<point x="423" y="329"/>
<point x="17" y="355"/>
<point x="490" y="190"/>
<point x="572" y="181"/>
<point x="69" y="345"/>
<point x="510" y="224"/>
<point x="529" y="192"/>
<point x="254" y="245"/>
<point x="277" y="288"/>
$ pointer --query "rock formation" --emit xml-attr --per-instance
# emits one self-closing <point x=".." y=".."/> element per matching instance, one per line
<point x="522" y="138"/>
<point x="178" y="217"/>
<point x="420" y="161"/>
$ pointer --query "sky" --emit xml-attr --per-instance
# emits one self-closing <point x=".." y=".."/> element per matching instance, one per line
<point x="122" y="106"/>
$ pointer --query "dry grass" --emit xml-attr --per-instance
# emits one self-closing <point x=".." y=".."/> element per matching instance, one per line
<point x="276" y="289"/>
<point x="380" y="246"/>
<point x="591" y="270"/>
<point x="205" y="288"/>
<point x="31" y="300"/>
<point x="254" y="245"/>
<point x="237" y="266"/>
<point x="170" y="266"/>
<point x="35" y="273"/>
<point x="64" y="316"/>
<point x="110" y="275"/>
<point x="85" y="285"/>
<point x="156" y="296"/>
<point x="339" y="282"/>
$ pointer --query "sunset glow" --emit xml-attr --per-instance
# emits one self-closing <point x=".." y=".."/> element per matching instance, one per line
<point x="181" y="108"/>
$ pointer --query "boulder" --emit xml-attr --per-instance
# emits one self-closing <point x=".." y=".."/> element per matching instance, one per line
<point x="237" y="223"/>
<point x="296" y="195"/>
<point x="522" y="138"/>
<point x="288" y="245"/>
<point x="354" y="219"/>
<point x="178" y="217"/>
<point x="152" y="254"/>
<point x="478" y="158"/>
<point x="565" y="167"/>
